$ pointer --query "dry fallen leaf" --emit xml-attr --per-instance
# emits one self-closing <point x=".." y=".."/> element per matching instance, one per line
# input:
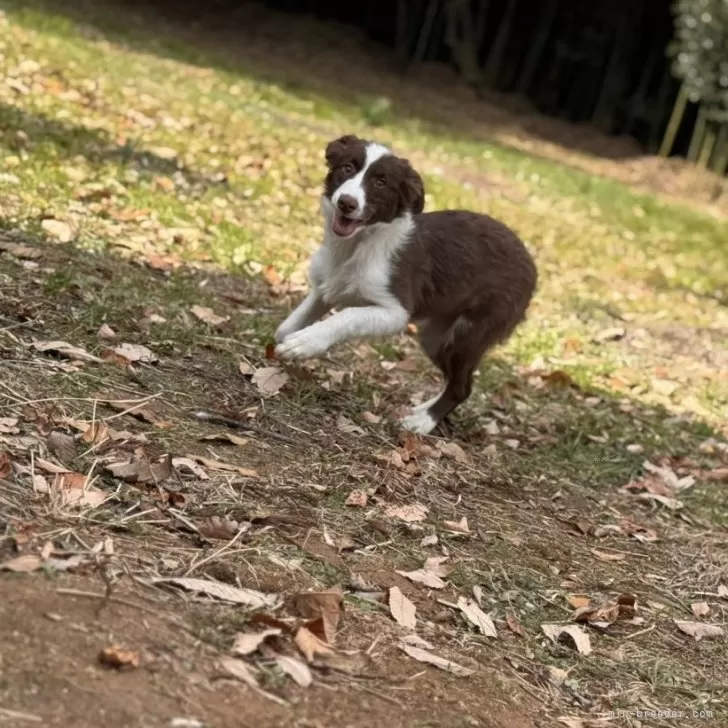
<point x="58" y="230"/>
<point x="224" y="592"/>
<point x="476" y="616"/>
<point x="247" y="643"/>
<point x="106" y="332"/>
<point x="208" y="316"/>
<point x="115" y="656"/>
<point x="74" y="490"/>
<point x="295" y="669"/>
<point x="699" y="630"/>
<point x="9" y="426"/>
<point x="457" y="527"/>
<point x="371" y="418"/>
<point x="325" y="605"/>
<point x="578" y="601"/>
<point x="422" y="576"/>
<point x="241" y="671"/>
<point x="514" y="624"/>
<point x="700" y="609"/>
<point x="357" y="498"/>
<point x="65" y="350"/>
<point x="136" y="353"/>
<point x="579" y="638"/>
<point x="608" y="556"/>
<point x="270" y="380"/>
<point x="23" y="564"/>
<point x="623" y="608"/>
<point x="247" y="370"/>
<point x="453" y="451"/>
<point x="226" y="467"/>
<point x="344" y="424"/>
<point x="424" y="656"/>
<point x="227" y="438"/>
<point x="141" y="470"/>
<point x="408" y="514"/>
<point x="61" y="445"/>
<point x="402" y="608"/>
<point x="222" y="528"/>
<point x="310" y="645"/>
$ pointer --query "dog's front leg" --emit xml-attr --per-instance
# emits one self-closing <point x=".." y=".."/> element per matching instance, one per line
<point x="366" y="321"/>
<point x="311" y="309"/>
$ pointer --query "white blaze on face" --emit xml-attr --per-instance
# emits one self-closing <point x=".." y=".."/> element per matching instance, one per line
<point x="355" y="185"/>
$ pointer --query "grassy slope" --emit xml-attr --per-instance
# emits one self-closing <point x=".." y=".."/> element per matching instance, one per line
<point x="187" y="157"/>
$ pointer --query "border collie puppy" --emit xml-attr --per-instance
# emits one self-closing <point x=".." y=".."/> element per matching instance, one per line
<point x="464" y="279"/>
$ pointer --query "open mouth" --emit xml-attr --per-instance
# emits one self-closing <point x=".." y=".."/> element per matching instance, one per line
<point x="345" y="227"/>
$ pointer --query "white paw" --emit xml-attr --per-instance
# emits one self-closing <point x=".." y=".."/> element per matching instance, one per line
<point x="421" y="423"/>
<point x="305" y="344"/>
<point x="281" y="334"/>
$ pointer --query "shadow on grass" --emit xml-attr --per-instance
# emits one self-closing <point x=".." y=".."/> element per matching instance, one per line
<point x="62" y="141"/>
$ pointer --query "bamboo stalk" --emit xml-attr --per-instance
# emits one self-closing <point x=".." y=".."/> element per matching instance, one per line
<point x="678" y="111"/>
<point x="696" y="141"/>
<point x="425" y="33"/>
<point x="706" y="149"/>
<point x="720" y="158"/>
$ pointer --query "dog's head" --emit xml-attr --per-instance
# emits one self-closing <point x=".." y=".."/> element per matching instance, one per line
<point x="366" y="184"/>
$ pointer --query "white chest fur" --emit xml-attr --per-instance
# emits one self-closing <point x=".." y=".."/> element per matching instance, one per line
<point x="358" y="272"/>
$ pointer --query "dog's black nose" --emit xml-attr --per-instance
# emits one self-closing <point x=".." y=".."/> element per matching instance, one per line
<point x="347" y="204"/>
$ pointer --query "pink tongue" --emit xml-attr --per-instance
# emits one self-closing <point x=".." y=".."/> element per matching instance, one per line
<point x="343" y="227"/>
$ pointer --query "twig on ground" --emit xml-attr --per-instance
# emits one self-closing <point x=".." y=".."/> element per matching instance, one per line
<point x="239" y="425"/>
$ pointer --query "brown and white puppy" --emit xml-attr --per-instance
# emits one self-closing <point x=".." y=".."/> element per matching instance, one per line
<point x="463" y="278"/>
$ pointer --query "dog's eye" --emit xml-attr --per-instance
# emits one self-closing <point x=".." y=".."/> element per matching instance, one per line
<point x="380" y="182"/>
<point x="348" y="168"/>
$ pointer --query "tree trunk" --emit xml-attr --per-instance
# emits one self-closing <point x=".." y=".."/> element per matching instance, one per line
<point x="678" y="111"/>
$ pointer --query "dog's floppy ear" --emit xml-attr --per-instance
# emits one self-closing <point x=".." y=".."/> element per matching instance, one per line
<point x="412" y="189"/>
<point x="335" y="149"/>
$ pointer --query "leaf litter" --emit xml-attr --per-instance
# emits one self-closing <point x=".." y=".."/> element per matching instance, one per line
<point x="224" y="592"/>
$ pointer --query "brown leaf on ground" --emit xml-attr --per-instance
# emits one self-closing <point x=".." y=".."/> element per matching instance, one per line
<point x="182" y="464"/>
<point x="700" y="609"/>
<point x="95" y="433"/>
<point x="409" y="513"/>
<point x="270" y="380"/>
<point x="457" y="527"/>
<point x="699" y="630"/>
<point x="62" y="446"/>
<point x="326" y="605"/>
<point x="74" y="490"/>
<point x="24" y="564"/>
<point x="5" y="464"/>
<point x="453" y="451"/>
<point x="607" y="555"/>
<point x="476" y="616"/>
<point x="310" y="645"/>
<point x="138" y="411"/>
<point x="422" y="576"/>
<point x="58" y="230"/>
<point x="579" y="638"/>
<point x="241" y="671"/>
<point x="440" y="662"/>
<point x="226" y="467"/>
<point x="9" y="426"/>
<point x="247" y="370"/>
<point x="224" y="592"/>
<point x="208" y="316"/>
<point x="357" y="498"/>
<point x="136" y="353"/>
<point x="118" y="657"/>
<point x="141" y="470"/>
<point x="65" y="350"/>
<point x="298" y="671"/>
<point x="623" y="608"/>
<point x="515" y="625"/>
<point x="402" y="608"/>
<point x="578" y="601"/>
<point x="637" y="531"/>
<point x="247" y="643"/>
<point x="371" y="418"/>
<point x="226" y="437"/>
<point x="218" y="527"/>
<point x="344" y="424"/>
<point x="106" y="332"/>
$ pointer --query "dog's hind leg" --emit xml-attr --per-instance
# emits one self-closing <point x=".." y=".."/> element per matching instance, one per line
<point x="461" y="347"/>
